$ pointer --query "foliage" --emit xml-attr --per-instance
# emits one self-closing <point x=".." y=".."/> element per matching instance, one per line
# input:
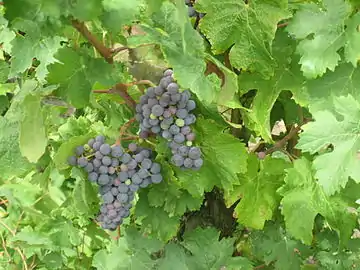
<point x="278" y="106"/>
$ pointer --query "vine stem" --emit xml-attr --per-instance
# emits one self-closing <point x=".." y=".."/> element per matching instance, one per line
<point x="99" y="46"/>
<point x="280" y="144"/>
<point x="282" y="24"/>
<point x="123" y="130"/>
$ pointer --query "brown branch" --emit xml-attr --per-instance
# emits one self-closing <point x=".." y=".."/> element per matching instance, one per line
<point x="260" y="266"/>
<point x="280" y="144"/>
<point x="121" y="89"/>
<point x="282" y="24"/>
<point x="99" y="46"/>
<point x="123" y="129"/>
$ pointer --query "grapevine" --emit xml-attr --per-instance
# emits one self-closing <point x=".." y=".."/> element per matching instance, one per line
<point x="179" y="134"/>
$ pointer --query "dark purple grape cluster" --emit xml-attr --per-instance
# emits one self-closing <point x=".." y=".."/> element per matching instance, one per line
<point x="119" y="173"/>
<point x="166" y="111"/>
<point x="191" y="11"/>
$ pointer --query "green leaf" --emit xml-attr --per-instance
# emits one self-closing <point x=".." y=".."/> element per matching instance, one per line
<point x="352" y="37"/>
<point x="118" y="257"/>
<point x="119" y="13"/>
<point x="175" y="258"/>
<point x="86" y="10"/>
<point x="67" y="149"/>
<point x="183" y="49"/>
<point x="33" y="45"/>
<point x="217" y="253"/>
<point x="257" y="190"/>
<point x="325" y="23"/>
<point x="221" y="166"/>
<point x="76" y="75"/>
<point x="248" y="28"/>
<point x="12" y="163"/>
<point x="287" y="76"/>
<point x="33" y="138"/>
<point x="155" y="220"/>
<point x="29" y="238"/>
<point x="333" y="169"/>
<point x="304" y="197"/>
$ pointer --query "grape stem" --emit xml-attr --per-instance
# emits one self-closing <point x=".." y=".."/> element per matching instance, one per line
<point x="282" y="24"/>
<point x="280" y="144"/>
<point x="123" y="129"/>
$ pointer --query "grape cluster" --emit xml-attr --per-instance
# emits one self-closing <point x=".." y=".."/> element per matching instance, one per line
<point x="191" y="11"/>
<point x="119" y="173"/>
<point x="166" y="111"/>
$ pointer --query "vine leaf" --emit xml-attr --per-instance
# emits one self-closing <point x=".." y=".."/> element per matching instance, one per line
<point x="250" y="28"/>
<point x="77" y="74"/>
<point x="221" y="166"/>
<point x="257" y="190"/>
<point x="12" y="163"/>
<point x="33" y="140"/>
<point x="33" y="45"/>
<point x="326" y="24"/>
<point x="183" y="49"/>
<point x="6" y="35"/>
<point x="333" y="169"/>
<point x="304" y="197"/>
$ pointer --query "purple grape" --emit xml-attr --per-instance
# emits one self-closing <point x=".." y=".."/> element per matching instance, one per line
<point x="105" y="149"/>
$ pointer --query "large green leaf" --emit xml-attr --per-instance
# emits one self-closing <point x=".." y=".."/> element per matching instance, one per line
<point x="325" y="22"/>
<point x="257" y="191"/>
<point x="334" y="168"/>
<point x="248" y="28"/>
<point x="304" y="197"/>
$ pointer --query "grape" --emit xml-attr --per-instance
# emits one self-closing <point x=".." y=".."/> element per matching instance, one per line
<point x="126" y="214"/>
<point x="105" y="149"/>
<point x="143" y="173"/>
<point x="172" y="88"/>
<point x="72" y="161"/>
<point x="139" y="157"/>
<point x="154" y="122"/>
<point x="177" y="160"/>
<point x="143" y="99"/>
<point x="112" y="170"/>
<point x="198" y="162"/>
<point x="100" y="139"/>
<point x="152" y="102"/>
<point x="134" y="187"/>
<point x="190" y="137"/>
<point x="172" y="110"/>
<point x="103" y="169"/>
<point x="116" y="151"/>
<point x="174" y="129"/>
<point x="146" y="153"/>
<point x="159" y="90"/>
<point x="125" y="158"/>
<point x="182" y="113"/>
<point x="115" y="162"/>
<point x="132" y="147"/>
<point x="116" y="182"/>
<point x="165" y="81"/>
<point x="146" y="163"/>
<point x="112" y="213"/>
<point x="261" y="155"/>
<point x="176" y="97"/>
<point x="183" y="150"/>
<point x="179" y="138"/>
<point x="194" y="153"/>
<point x="156" y="178"/>
<point x="155" y="168"/>
<point x="170" y="72"/>
<point x="185" y="130"/>
<point x="138" y="108"/>
<point x="114" y="191"/>
<point x="132" y="164"/>
<point x="103" y="179"/>
<point x="157" y="110"/>
<point x="96" y="163"/>
<point x="124" y="168"/>
<point x="96" y="145"/>
<point x="89" y="167"/>
<point x="87" y="147"/>
<point x="131" y="173"/>
<point x="174" y="146"/>
<point x="93" y="176"/>
<point x="180" y="122"/>
<point x="106" y="161"/>
<point x="91" y="142"/>
<point x="155" y="129"/>
<point x="191" y="12"/>
<point x="136" y="179"/>
<point x="164" y="126"/>
<point x="122" y="197"/>
<point x="82" y="162"/>
<point x="98" y="155"/>
<point x="108" y="197"/>
<point x="123" y="176"/>
<point x="79" y="150"/>
<point x="145" y="183"/>
<point x="103" y="209"/>
<point x="188" y="162"/>
<point x="123" y="188"/>
<point x="191" y="105"/>
<point x="190" y="119"/>
<point x="150" y="92"/>
<point x="143" y="134"/>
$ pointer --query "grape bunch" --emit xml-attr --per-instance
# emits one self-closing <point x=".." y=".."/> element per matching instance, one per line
<point x="166" y="111"/>
<point x="191" y="11"/>
<point x="119" y="173"/>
